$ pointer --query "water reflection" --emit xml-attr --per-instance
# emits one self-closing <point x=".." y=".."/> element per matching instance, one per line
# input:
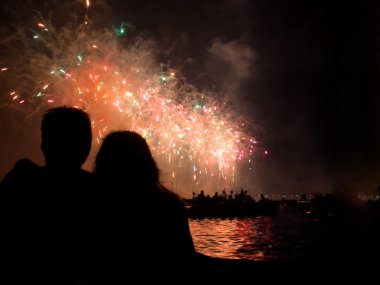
<point x="259" y="238"/>
<point x="234" y="238"/>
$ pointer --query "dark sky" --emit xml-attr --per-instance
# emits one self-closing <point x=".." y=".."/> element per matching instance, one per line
<point x="305" y="72"/>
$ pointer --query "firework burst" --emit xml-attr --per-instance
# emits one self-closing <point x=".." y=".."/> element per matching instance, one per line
<point x="194" y="136"/>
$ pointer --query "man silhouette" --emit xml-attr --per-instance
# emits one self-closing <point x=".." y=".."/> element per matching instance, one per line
<point x="46" y="209"/>
<point x="66" y="143"/>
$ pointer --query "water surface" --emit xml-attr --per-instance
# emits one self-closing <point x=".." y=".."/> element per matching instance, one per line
<point x="260" y="238"/>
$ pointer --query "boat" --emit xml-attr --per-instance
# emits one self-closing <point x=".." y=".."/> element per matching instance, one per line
<point x="240" y="206"/>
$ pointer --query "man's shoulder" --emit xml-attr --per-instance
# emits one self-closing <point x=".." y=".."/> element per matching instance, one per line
<point x="26" y="164"/>
<point x="23" y="168"/>
<point x="22" y="172"/>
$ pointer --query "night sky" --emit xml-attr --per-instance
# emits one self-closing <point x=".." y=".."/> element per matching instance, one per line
<point x="305" y="73"/>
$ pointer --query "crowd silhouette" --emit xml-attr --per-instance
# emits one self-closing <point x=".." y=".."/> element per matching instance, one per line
<point x="229" y="206"/>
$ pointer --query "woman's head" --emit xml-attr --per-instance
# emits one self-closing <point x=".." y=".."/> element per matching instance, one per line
<point x="126" y="155"/>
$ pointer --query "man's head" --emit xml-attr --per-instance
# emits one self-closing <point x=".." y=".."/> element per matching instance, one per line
<point x="66" y="137"/>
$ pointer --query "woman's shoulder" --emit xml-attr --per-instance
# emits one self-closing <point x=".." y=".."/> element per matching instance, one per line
<point x="171" y="198"/>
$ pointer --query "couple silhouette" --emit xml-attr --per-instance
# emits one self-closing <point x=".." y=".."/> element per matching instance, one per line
<point x="61" y="224"/>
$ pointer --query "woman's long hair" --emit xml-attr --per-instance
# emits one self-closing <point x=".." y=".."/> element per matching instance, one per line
<point x="125" y="156"/>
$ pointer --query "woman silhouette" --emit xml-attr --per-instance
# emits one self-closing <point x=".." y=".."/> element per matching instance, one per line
<point x="144" y="222"/>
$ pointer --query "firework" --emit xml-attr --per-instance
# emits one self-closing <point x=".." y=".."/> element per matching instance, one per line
<point x="193" y="135"/>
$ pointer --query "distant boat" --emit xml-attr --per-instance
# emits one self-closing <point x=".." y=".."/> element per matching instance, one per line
<point x="231" y="208"/>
